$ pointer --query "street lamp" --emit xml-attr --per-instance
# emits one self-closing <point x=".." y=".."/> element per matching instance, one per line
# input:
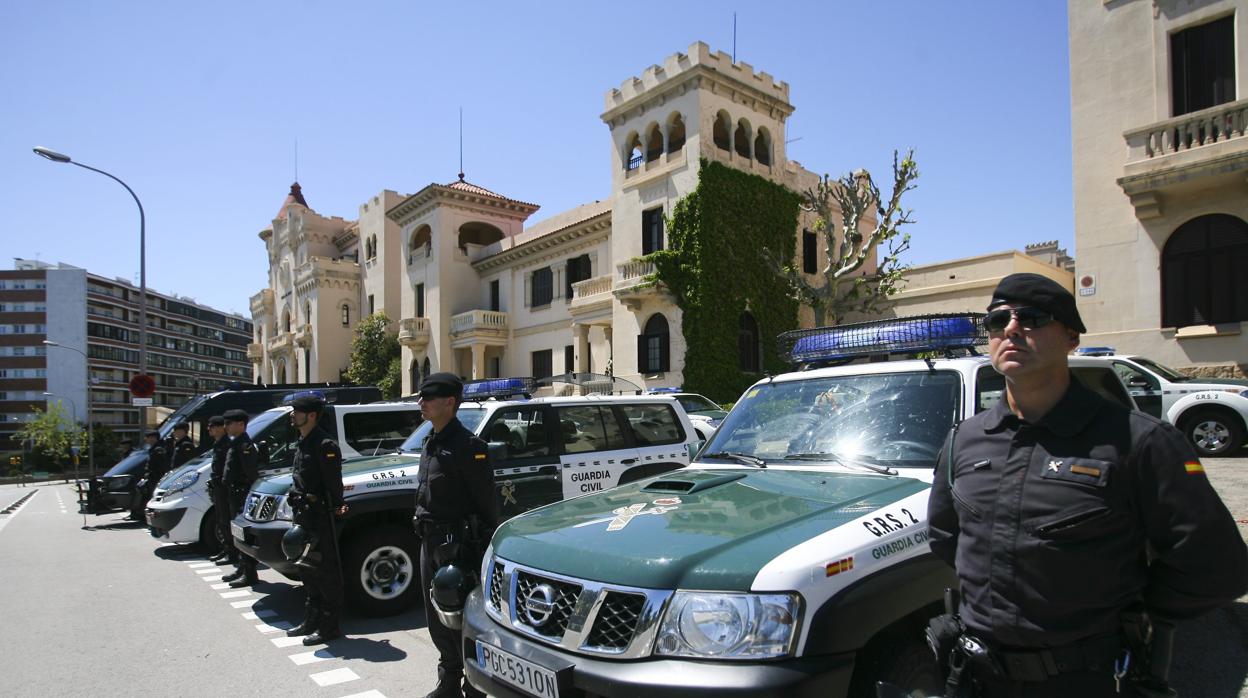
<point x="62" y="158"/>
<point x="90" y="428"/>
<point x="75" y="406"/>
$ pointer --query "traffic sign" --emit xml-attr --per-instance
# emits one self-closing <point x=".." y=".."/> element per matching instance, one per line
<point x="140" y="402"/>
<point x="142" y="385"/>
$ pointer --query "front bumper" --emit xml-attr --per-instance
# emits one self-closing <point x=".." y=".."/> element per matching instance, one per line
<point x="161" y="521"/>
<point x="263" y="541"/>
<point x="822" y="676"/>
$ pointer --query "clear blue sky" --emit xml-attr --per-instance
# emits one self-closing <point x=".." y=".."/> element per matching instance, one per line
<point x="198" y="106"/>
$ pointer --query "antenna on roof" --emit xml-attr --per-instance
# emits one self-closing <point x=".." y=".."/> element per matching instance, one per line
<point x="461" y="143"/>
<point x="296" y="159"/>
<point x="734" y="37"/>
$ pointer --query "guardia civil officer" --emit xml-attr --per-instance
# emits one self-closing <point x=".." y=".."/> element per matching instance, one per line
<point x="317" y="501"/>
<point x="1074" y="523"/>
<point x="454" y="495"/>
<point x="216" y="490"/>
<point x="157" y="466"/>
<point x="179" y="446"/>
<point x="241" y="468"/>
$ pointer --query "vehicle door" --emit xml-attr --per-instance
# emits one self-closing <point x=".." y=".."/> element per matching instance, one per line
<point x="594" y="452"/>
<point x="527" y="473"/>
<point x="376" y="432"/>
<point x="656" y="432"/>
<point x="1144" y="387"/>
<point x="276" y="442"/>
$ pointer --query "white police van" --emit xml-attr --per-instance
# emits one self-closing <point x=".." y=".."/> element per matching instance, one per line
<point x="181" y="509"/>
<point x="790" y="558"/>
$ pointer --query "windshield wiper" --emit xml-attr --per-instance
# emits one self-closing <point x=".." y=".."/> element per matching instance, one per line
<point x="740" y="458"/>
<point x="832" y="455"/>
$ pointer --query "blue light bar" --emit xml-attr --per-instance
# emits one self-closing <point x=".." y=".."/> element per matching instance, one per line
<point x="291" y="397"/>
<point x="498" y="388"/>
<point x="1095" y="351"/>
<point x="926" y="333"/>
<point x="662" y="391"/>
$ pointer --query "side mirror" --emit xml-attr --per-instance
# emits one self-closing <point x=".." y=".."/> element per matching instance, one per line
<point x="694" y="447"/>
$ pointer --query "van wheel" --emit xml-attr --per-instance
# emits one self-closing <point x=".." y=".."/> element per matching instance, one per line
<point x="208" y="540"/>
<point x="381" y="570"/>
<point x="1212" y="433"/>
<point x="907" y="664"/>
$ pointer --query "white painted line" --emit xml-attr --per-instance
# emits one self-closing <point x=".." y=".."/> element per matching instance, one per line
<point x="332" y="678"/>
<point x="212" y="578"/>
<point x="200" y="564"/>
<point x="236" y="594"/>
<point x="208" y="570"/>
<point x="259" y="615"/>
<point x="4" y="520"/>
<point x="164" y="544"/>
<point x="367" y="694"/>
<point x="286" y="641"/>
<point x="222" y="585"/>
<point x="279" y="626"/>
<point x="312" y="657"/>
<point x="244" y="604"/>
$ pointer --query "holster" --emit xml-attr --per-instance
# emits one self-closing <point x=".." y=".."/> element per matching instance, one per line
<point x="1150" y="643"/>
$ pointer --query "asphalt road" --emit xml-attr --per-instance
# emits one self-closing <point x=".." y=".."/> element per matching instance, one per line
<point x="106" y="610"/>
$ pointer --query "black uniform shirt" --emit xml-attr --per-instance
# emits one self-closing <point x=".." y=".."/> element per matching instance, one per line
<point x="241" y="462"/>
<point x="182" y="451"/>
<point x="219" y="450"/>
<point x="318" y="468"/>
<point x="1048" y="524"/>
<point x="157" y="462"/>
<point x="456" y="479"/>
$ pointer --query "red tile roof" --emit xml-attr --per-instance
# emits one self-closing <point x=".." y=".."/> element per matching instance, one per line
<point x="294" y="197"/>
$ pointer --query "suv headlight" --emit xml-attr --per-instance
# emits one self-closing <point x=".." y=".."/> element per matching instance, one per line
<point x="728" y="626"/>
<point x="182" y="482"/>
<point x="284" y="510"/>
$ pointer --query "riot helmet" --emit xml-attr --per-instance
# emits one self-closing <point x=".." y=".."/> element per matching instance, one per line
<point x="299" y="547"/>
<point x="448" y="592"/>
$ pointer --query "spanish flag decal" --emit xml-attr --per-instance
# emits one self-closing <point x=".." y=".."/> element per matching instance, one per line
<point x="1192" y="467"/>
<point x="835" y="568"/>
<point x="479" y="456"/>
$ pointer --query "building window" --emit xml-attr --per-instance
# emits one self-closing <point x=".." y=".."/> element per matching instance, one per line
<point x="654" y="346"/>
<point x="578" y="269"/>
<point x="424" y="367"/>
<point x="569" y="359"/>
<point x="420" y="300"/>
<point x="654" y="143"/>
<point x="542" y="363"/>
<point x="346" y="315"/>
<point x="543" y="287"/>
<point x="652" y="230"/>
<point x="1202" y="66"/>
<point x="747" y="343"/>
<point x="372" y="308"/>
<point x="415" y="375"/>
<point x="1201" y="272"/>
<point x="675" y="133"/>
<point x="495" y="301"/>
<point x="810" y="252"/>
<point x="720" y="132"/>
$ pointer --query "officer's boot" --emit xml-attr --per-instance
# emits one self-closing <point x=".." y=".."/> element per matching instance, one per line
<point x="327" y="630"/>
<point x="311" y="618"/>
<point x="448" y="687"/>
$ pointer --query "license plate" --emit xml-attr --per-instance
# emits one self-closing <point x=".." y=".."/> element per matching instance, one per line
<point x="236" y="531"/>
<point x="516" y="672"/>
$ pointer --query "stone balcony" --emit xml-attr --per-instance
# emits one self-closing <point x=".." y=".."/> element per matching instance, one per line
<point x="262" y="303"/>
<point x="255" y="352"/>
<point x="591" y="296"/>
<point x="303" y="335"/>
<point x="635" y="281"/>
<point x="1204" y="150"/>
<point x="414" y="332"/>
<point x="282" y="343"/>
<point x="479" y="327"/>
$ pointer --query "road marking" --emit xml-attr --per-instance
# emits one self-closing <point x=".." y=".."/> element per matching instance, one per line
<point x="312" y="657"/>
<point x="208" y="570"/>
<point x="287" y="641"/>
<point x="332" y="678"/>
<point x="4" y="520"/>
<point x="164" y="544"/>
<point x="243" y="604"/>
<point x="236" y="594"/>
<point x="200" y="563"/>
<point x="213" y="578"/>
<point x="222" y="585"/>
<point x="259" y="615"/>
<point x="280" y="625"/>
<point x="367" y="694"/>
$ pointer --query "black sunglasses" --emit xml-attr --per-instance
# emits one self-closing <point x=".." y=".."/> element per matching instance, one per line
<point x="1028" y="318"/>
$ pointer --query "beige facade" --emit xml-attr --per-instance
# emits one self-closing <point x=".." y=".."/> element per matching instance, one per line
<point x="478" y="293"/>
<point x="966" y="285"/>
<point x="1161" y="177"/>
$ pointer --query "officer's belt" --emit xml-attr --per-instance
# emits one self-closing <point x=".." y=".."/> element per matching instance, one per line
<point x="1088" y="654"/>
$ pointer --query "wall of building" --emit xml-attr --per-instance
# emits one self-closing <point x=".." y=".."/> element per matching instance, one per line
<point x="67" y="326"/>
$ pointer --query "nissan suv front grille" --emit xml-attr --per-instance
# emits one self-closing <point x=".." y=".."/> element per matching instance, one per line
<point x="260" y="507"/>
<point x="577" y="615"/>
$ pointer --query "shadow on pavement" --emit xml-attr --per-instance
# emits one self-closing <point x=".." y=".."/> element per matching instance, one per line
<point x="1211" y="654"/>
<point x="116" y="525"/>
<point x="363" y="648"/>
<point x="178" y="552"/>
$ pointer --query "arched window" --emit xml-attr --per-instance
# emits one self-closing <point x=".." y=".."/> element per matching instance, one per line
<point x="741" y="139"/>
<point x="415" y="375"/>
<point x="1202" y="280"/>
<point x="478" y="233"/>
<point x="654" y="143"/>
<point x="420" y="246"/>
<point x="762" y="147"/>
<point x="722" y="131"/>
<point x="286" y="320"/>
<point x="653" y="346"/>
<point x="747" y="343"/>
<point x="424" y="368"/>
<point x="346" y="315"/>
<point x="632" y="152"/>
<point x="675" y="133"/>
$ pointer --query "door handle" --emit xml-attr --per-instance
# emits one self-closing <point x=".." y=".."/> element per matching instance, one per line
<point x="628" y="461"/>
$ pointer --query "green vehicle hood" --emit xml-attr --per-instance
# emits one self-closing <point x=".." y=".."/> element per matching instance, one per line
<point x="715" y="535"/>
<point x="281" y="482"/>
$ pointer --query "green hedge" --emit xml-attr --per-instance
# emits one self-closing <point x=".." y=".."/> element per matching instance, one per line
<point x="714" y="266"/>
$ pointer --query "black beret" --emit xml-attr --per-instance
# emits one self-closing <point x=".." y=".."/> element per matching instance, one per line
<point x="234" y="416"/>
<point x="442" y="384"/>
<point x="1039" y="292"/>
<point x="216" y="421"/>
<point x="153" y="433"/>
<point x="184" y="426"/>
<point x="311" y="401"/>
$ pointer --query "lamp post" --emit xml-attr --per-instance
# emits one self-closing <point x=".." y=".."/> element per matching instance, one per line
<point x="75" y="406"/>
<point x="62" y="158"/>
<point x="90" y="427"/>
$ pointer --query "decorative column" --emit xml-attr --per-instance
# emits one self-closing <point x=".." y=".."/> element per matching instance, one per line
<point x="581" y="358"/>
<point x="478" y="361"/>
<point x="610" y="369"/>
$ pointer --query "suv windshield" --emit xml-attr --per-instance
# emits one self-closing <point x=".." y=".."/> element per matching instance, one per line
<point x="696" y="404"/>
<point x="1164" y="371"/>
<point x="470" y="417"/>
<point x="893" y="419"/>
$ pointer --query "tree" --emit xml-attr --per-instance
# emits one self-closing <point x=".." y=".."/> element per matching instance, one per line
<point x="845" y="290"/>
<point x="375" y="356"/>
<point x="51" y="433"/>
<point x="105" y="443"/>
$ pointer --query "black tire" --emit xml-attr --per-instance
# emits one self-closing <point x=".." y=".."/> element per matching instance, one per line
<point x="381" y="570"/>
<point x="1213" y="434"/>
<point x="907" y="664"/>
<point x="208" y="540"/>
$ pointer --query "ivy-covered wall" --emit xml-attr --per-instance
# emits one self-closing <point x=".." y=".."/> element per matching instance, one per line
<point x="713" y="264"/>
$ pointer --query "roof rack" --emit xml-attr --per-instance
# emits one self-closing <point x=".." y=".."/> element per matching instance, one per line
<point x="946" y="334"/>
<point x="498" y="388"/>
<point x="1095" y="351"/>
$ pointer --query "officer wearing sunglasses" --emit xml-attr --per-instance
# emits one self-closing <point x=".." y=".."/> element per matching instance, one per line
<point x="1074" y="524"/>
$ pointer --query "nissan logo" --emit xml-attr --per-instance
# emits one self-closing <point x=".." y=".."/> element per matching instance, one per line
<point x="539" y="604"/>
